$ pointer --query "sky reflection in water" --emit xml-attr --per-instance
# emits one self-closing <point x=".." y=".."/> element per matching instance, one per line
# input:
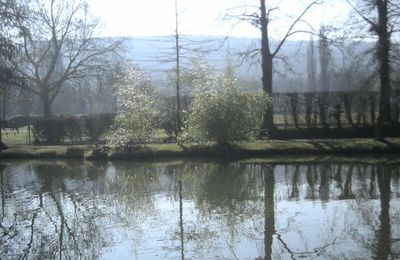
<point x="197" y="210"/>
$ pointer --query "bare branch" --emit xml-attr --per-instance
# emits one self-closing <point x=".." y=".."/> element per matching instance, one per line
<point x="361" y="14"/>
<point x="290" y="31"/>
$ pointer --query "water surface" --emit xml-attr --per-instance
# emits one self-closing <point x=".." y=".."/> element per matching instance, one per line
<point x="199" y="210"/>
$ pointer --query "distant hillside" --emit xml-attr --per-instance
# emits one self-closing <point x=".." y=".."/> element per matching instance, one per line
<point x="155" y="55"/>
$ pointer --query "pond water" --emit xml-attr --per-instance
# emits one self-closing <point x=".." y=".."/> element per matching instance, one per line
<point x="199" y="210"/>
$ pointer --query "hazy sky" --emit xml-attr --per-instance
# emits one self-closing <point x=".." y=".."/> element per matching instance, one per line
<point x="204" y="17"/>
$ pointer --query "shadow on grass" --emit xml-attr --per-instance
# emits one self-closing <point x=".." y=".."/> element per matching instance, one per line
<point x="390" y="144"/>
<point x="320" y="145"/>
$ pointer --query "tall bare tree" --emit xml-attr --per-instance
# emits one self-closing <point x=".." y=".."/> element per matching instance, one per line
<point x="262" y="20"/>
<point x="177" y="71"/>
<point x="311" y="79"/>
<point x="382" y="16"/>
<point x="325" y="58"/>
<point x="59" y="45"/>
<point x="311" y="65"/>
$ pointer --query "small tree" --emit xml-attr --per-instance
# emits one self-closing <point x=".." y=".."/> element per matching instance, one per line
<point x="137" y="115"/>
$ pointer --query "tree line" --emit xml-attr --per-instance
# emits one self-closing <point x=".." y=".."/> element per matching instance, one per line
<point x="50" y="47"/>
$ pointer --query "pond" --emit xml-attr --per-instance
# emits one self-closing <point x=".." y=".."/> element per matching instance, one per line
<point x="199" y="210"/>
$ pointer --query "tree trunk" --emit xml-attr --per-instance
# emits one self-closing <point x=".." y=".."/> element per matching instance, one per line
<point x="383" y="53"/>
<point x="347" y="102"/>
<point x="268" y="122"/>
<point x="1" y="121"/>
<point x="182" y="235"/>
<point x="294" y="99"/>
<point x="1" y="129"/>
<point x="4" y="104"/>
<point x="266" y="66"/>
<point x="46" y="104"/>
<point x="177" y="74"/>
<point x="322" y="105"/>
<point x="384" y="232"/>
<point x="269" y="210"/>
<point x="309" y="97"/>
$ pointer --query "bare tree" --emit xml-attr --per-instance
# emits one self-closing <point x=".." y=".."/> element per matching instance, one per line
<point x="262" y="20"/>
<point x="324" y="77"/>
<point x="382" y="16"/>
<point x="311" y="78"/>
<point x="325" y="57"/>
<point x="59" y="45"/>
<point x="177" y="72"/>
<point x="311" y="65"/>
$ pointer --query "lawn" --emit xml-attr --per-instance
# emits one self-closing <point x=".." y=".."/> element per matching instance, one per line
<point x="16" y="138"/>
<point x="19" y="148"/>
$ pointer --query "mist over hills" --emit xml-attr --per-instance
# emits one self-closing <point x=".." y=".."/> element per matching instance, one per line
<point x="155" y="55"/>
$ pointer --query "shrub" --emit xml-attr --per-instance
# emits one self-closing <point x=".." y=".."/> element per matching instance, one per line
<point x="167" y="119"/>
<point x="137" y="117"/>
<point x="74" y="152"/>
<point x="56" y="129"/>
<point x="73" y="128"/>
<point x="51" y="130"/>
<point x="95" y="126"/>
<point x="21" y="121"/>
<point x="221" y="112"/>
<point x="97" y="153"/>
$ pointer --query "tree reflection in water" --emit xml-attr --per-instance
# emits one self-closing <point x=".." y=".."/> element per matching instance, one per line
<point x="383" y="233"/>
<point x="269" y="208"/>
<point x="192" y="209"/>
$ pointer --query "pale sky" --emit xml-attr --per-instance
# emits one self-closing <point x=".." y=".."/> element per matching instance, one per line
<point x="202" y="17"/>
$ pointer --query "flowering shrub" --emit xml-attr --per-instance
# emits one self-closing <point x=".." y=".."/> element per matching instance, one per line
<point x="136" y="117"/>
<point x="220" y="112"/>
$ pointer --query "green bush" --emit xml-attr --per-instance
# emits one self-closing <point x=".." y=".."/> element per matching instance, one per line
<point x="222" y="113"/>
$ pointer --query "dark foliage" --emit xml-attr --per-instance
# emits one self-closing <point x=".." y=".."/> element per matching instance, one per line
<point x="21" y="121"/>
<point x="73" y="128"/>
<point x="3" y="146"/>
<point x="74" y="152"/>
<point x="96" y="125"/>
<point x="332" y="133"/>
<point x="50" y="130"/>
<point x="350" y="109"/>
<point x="57" y="130"/>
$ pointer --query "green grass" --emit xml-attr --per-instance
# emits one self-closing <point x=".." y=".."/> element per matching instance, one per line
<point x="297" y="148"/>
<point x="42" y="152"/>
<point x="14" y="138"/>
<point x="260" y="148"/>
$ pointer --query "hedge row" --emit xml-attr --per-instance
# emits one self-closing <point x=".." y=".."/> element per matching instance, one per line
<point x="87" y="128"/>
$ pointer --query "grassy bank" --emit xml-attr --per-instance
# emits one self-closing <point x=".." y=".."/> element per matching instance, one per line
<point x="237" y="150"/>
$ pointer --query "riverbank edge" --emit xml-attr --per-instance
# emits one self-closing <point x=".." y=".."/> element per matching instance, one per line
<point x="340" y="147"/>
